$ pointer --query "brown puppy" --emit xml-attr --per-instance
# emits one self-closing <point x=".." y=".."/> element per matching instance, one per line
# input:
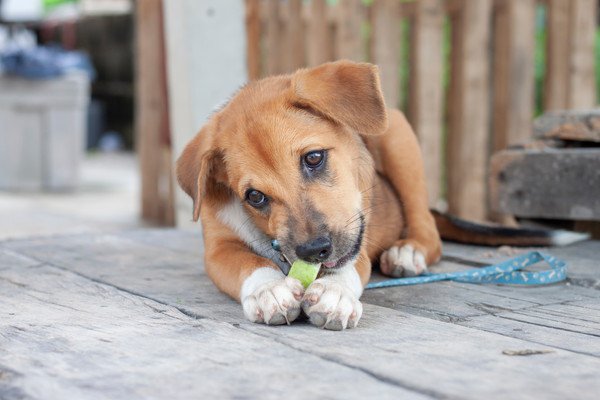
<point x="314" y="160"/>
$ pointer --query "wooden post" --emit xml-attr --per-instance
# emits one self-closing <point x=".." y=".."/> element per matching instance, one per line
<point x="349" y="38"/>
<point x="294" y="37"/>
<point x="513" y="76"/>
<point x="469" y="110"/>
<point x="203" y="72"/>
<point x="582" y="74"/>
<point x="319" y="45"/>
<point x="426" y="88"/>
<point x="152" y="123"/>
<point x="273" y="38"/>
<point x="556" y="85"/>
<point x="253" y="38"/>
<point x="386" y="47"/>
<point x="570" y="79"/>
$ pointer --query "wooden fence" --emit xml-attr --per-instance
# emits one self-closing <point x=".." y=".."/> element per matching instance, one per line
<point x="470" y="73"/>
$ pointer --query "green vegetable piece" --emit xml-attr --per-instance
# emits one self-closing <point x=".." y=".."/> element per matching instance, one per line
<point x="305" y="272"/>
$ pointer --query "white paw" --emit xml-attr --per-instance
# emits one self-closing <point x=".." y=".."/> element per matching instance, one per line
<point x="274" y="303"/>
<point x="403" y="261"/>
<point x="331" y="305"/>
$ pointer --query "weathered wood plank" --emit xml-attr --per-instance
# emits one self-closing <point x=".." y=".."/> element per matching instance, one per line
<point x="556" y="82"/>
<point x="294" y="54"/>
<point x="445" y="301"/>
<point x="11" y="259"/>
<point x="273" y="39"/>
<point x="562" y="183"/>
<point x="567" y="317"/>
<point x="513" y="72"/>
<point x="546" y="315"/>
<point x="582" y="74"/>
<point x="349" y="43"/>
<point x="578" y="125"/>
<point x="195" y="32"/>
<point x="152" y="118"/>
<point x="450" y="301"/>
<point x="89" y="340"/>
<point x="392" y="346"/>
<point x="426" y="89"/>
<point x="173" y="239"/>
<point x="253" y="53"/>
<point x="570" y="81"/>
<point x="318" y="36"/>
<point x="454" y="302"/>
<point x="469" y="111"/>
<point x="179" y="254"/>
<point x="138" y="266"/>
<point x="385" y="47"/>
<point x="423" y="341"/>
<point x="528" y="325"/>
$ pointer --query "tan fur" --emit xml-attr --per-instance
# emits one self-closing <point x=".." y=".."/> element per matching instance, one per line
<point x="257" y="140"/>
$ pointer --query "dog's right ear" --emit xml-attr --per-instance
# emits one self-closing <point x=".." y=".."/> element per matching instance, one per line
<point x="198" y="164"/>
<point x="345" y="92"/>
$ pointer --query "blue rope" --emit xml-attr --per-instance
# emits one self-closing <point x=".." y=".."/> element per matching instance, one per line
<point x="508" y="272"/>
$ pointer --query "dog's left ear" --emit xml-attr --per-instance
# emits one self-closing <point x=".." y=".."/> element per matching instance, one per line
<point x="345" y="92"/>
<point x="200" y="167"/>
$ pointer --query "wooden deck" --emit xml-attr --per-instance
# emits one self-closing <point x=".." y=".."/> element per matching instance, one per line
<point x="132" y="315"/>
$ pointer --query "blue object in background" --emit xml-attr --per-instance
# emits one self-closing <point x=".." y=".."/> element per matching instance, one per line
<point x="111" y="141"/>
<point x="44" y="62"/>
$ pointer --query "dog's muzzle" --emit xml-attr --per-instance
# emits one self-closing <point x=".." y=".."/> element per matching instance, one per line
<point x="316" y="250"/>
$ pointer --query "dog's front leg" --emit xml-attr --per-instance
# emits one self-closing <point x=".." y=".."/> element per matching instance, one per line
<point x="332" y="301"/>
<point x="269" y="297"/>
<point x="398" y="157"/>
<point x="265" y="293"/>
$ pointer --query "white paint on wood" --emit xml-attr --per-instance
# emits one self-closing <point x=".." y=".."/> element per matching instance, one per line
<point x="206" y="64"/>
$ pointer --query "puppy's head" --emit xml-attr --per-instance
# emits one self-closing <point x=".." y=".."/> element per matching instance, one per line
<point x="288" y="149"/>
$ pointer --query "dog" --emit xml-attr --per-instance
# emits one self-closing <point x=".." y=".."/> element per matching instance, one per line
<point x="315" y="161"/>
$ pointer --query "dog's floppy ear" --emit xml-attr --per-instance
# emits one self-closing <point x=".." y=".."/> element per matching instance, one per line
<point x="345" y="92"/>
<point x="198" y="164"/>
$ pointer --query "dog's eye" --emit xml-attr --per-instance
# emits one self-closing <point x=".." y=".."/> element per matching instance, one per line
<point x="256" y="199"/>
<point x="314" y="159"/>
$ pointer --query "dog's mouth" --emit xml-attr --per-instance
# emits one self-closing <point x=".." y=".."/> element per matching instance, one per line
<point x="355" y="249"/>
<point x="340" y="262"/>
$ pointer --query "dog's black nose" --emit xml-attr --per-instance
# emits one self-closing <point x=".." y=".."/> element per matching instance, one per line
<point x="315" y="251"/>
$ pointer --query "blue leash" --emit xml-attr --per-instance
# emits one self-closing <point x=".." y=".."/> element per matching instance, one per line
<point x="507" y="272"/>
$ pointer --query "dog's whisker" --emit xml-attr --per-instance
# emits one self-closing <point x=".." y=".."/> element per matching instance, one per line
<point x="371" y="188"/>
<point x="246" y="222"/>
<point x="362" y="213"/>
<point x="374" y="244"/>
<point x="263" y="245"/>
